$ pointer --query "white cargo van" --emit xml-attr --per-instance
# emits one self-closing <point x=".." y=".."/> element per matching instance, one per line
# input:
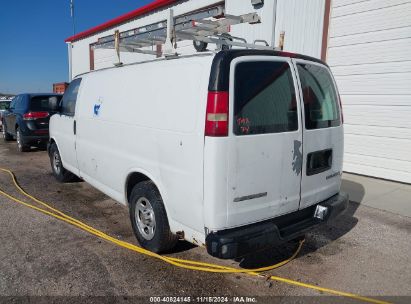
<point x="234" y="150"/>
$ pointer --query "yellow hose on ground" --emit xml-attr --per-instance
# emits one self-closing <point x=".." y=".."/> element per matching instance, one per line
<point x="182" y="263"/>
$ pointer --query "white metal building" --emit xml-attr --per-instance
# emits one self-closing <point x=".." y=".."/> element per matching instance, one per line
<point x="367" y="43"/>
<point x="369" y="51"/>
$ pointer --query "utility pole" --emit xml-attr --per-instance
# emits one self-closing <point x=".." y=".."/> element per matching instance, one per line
<point x="69" y="46"/>
<point x="72" y="16"/>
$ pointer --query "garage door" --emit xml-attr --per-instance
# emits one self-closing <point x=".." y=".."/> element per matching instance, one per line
<point x="369" y="51"/>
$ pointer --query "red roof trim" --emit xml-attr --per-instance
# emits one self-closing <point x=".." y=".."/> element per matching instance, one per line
<point x="121" y="19"/>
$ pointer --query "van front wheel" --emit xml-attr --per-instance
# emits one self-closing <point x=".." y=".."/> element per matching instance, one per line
<point x="59" y="172"/>
<point x="149" y="219"/>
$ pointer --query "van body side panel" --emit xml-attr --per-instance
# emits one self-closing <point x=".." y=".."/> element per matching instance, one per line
<point x="148" y="116"/>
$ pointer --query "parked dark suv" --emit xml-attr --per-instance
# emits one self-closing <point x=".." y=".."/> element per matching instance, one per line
<point x="27" y="120"/>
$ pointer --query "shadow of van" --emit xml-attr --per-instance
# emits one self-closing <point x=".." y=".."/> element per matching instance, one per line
<point x="316" y="239"/>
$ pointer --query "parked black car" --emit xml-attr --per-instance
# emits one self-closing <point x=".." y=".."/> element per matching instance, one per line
<point x="27" y="120"/>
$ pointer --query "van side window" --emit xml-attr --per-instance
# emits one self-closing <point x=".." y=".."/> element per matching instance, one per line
<point x="68" y="103"/>
<point x="321" y="106"/>
<point x="264" y="100"/>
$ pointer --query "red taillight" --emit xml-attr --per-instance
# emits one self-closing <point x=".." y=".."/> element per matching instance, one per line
<point x="341" y="109"/>
<point x="217" y="114"/>
<point x="35" y="115"/>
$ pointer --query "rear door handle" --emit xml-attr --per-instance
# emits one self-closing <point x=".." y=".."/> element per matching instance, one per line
<point x="74" y="127"/>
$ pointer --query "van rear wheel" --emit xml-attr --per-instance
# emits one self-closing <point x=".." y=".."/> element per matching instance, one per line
<point x="149" y="218"/>
<point x="59" y="172"/>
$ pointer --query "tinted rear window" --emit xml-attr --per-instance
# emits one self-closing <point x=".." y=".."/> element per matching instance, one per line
<point x="264" y="98"/>
<point x="40" y="103"/>
<point x="321" y="106"/>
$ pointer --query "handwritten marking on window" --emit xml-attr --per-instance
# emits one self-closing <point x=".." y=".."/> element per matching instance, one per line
<point x="244" y="124"/>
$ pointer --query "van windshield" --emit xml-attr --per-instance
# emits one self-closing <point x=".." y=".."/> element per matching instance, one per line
<point x="264" y="98"/>
<point x="321" y="106"/>
<point x="41" y="103"/>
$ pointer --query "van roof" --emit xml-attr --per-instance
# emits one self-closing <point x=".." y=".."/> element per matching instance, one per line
<point x="208" y="53"/>
<point x="221" y="63"/>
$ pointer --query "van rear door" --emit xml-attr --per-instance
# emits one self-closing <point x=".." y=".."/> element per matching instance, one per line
<point x="265" y="135"/>
<point x="323" y="139"/>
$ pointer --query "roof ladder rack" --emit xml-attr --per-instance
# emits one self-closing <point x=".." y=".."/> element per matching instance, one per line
<point x="210" y="26"/>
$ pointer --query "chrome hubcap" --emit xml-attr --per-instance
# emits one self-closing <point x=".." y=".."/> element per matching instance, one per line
<point x="56" y="162"/>
<point x="145" y="218"/>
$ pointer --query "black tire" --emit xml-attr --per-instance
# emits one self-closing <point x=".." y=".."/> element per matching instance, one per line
<point x="200" y="46"/>
<point x="21" y="144"/>
<point x="59" y="172"/>
<point x="6" y="136"/>
<point x="161" y="239"/>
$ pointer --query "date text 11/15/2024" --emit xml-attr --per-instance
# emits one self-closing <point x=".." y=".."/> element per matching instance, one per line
<point x="203" y="299"/>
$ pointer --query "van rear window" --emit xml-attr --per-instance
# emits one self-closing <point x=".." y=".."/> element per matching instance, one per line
<point x="321" y="105"/>
<point x="264" y="99"/>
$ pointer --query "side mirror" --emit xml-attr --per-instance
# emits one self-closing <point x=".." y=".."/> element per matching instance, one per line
<point x="54" y="104"/>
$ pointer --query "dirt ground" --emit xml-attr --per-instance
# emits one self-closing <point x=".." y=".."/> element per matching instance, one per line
<point x="366" y="251"/>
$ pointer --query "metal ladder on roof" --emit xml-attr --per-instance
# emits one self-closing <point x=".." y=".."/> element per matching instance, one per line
<point x="210" y="26"/>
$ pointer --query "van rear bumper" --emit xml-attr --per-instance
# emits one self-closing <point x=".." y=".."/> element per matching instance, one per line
<point x="237" y="242"/>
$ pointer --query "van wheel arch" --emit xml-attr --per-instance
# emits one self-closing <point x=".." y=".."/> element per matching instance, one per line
<point x="137" y="177"/>
<point x="60" y="173"/>
<point x="133" y="179"/>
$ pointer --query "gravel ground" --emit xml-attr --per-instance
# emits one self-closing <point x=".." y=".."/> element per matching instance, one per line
<point x="366" y="251"/>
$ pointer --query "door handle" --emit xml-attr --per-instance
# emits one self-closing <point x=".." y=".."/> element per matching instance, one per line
<point x="74" y="127"/>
